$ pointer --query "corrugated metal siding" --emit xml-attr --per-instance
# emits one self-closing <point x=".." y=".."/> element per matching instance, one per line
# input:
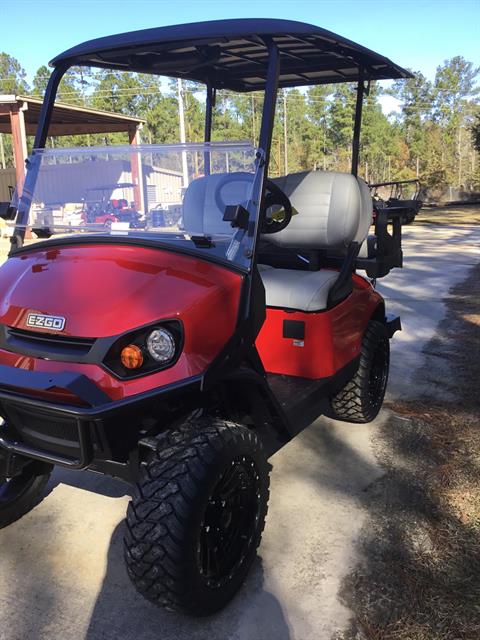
<point x="69" y="182"/>
<point x="63" y="183"/>
<point x="168" y="185"/>
<point x="58" y="184"/>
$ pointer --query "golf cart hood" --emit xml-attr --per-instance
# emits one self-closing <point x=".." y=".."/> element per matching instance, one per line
<point x="109" y="289"/>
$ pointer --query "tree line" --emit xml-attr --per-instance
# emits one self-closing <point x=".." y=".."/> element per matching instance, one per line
<point x="434" y="134"/>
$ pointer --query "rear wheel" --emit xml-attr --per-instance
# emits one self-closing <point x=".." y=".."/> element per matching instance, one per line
<point x="197" y="516"/>
<point x="361" y="398"/>
<point x="19" y="494"/>
<point x="408" y="218"/>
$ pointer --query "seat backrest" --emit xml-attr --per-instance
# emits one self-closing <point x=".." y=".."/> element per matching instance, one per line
<point x="334" y="209"/>
<point x="202" y="214"/>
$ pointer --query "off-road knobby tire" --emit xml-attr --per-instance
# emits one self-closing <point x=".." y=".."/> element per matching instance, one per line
<point x="30" y="493"/>
<point x="354" y="403"/>
<point x="166" y="514"/>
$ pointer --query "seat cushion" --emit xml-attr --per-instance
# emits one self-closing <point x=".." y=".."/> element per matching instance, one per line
<point x="300" y="290"/>
<point x="334" y="209"/>
<point x="201" y="212"/>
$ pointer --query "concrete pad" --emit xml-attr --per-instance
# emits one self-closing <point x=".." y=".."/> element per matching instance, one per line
<point x="435" y="260"/>
<point x="64" y="563"/>
<point x="61" y="568"/>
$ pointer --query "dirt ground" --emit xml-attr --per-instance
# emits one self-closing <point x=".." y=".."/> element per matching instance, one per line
<point x="420" y="574"/>
<point x="453" y="214"/>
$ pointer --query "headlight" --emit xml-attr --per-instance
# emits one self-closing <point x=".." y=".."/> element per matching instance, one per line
<point x="161" y="345"/>
<point x="147" y="350"/>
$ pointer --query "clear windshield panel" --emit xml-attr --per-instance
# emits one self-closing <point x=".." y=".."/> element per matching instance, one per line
<point x="175" y="195"/>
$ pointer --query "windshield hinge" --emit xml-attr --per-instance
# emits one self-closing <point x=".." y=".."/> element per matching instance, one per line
<point x="202" y="242"/>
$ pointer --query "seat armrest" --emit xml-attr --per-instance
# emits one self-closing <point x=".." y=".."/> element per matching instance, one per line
<point x="388" y="244"/>
<point x="343" y="286"/>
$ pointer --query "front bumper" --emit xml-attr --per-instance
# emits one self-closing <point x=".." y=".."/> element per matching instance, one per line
<point x="98" y="433"/>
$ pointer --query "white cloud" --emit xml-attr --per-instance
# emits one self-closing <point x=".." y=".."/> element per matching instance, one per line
<point x="389" y="104"/>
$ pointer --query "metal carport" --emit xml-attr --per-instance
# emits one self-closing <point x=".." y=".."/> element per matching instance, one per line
<point x="19" y="116"/>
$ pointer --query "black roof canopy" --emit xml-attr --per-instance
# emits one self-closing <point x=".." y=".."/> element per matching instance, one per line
<point x="233" y="54"/>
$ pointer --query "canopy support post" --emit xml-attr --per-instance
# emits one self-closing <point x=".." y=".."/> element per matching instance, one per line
<point x="24" y="202"/>
<point x="47" y="106"/>
<point x="269" y="101"/>
<point x="358" y="124"/>
<point x="210" y="103"/>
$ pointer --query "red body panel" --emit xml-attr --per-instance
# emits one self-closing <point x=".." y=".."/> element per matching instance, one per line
<point x="332" y="338"/>
<point x="105" y="290"/>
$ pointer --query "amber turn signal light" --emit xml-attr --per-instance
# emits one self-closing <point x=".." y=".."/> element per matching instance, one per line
<point x="131" y="357"/>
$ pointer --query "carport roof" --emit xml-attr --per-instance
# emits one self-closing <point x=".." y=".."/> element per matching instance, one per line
<point x="66" y="119"/>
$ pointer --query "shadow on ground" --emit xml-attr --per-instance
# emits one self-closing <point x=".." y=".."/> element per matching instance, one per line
<point x="420" y="574"/>
<point x="328" y="457"/>
<point x="326" y="463"/>
<point x="120" y="612"/>
<point x="92" y="482"/>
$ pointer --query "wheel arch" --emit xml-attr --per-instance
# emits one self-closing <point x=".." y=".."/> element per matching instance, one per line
<point x="246" y="398"/>
<point x="379" y="312"/>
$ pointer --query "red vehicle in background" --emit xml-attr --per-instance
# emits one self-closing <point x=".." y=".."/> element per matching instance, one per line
<point x="100" y="208"/>
<point x="179" y="359"/>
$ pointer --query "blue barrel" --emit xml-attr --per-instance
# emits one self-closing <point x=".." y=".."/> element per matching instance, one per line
<point x="158" y="218"/>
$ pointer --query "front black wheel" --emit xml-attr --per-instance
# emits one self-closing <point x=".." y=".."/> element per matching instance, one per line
<point x="20" y="493"/>
<point x="361" y="398"/>
<point x="197" y="516"/>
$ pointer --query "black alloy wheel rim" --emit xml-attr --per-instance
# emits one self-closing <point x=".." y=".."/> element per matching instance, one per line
<point x="230" y="523"/>
<point x="11" y="489"/>
<point x="378" y="373"/>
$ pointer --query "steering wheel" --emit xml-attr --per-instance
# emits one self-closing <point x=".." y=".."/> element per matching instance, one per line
<point x="275" y="196"/>
<point x="228" y="178"/>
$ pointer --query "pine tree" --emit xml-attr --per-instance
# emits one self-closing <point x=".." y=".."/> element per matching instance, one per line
<point x="12" y="76"/>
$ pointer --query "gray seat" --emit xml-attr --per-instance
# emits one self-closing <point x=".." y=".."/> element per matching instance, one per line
<point x="300" y="290"/>
<point x="201" y="214"/>
<point x="334" y="210"/>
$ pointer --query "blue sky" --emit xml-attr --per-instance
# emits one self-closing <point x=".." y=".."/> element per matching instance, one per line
<point x="415" y="33"/>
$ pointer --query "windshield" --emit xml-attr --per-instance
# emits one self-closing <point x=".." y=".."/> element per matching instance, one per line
<point x="174" y="194"/>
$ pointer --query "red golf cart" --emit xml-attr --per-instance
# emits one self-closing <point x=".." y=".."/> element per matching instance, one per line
<point x="179" y="359"/>
<point x="100" y="208"/>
